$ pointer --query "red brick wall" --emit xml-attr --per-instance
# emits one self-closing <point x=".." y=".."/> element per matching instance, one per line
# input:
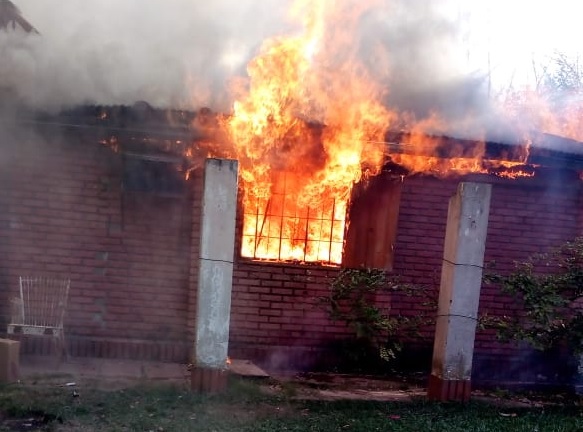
<point x="275" y="317"/>
<point x="275" y="312"/>
<point x="524" y="219"/>
<point x="63" y="213"/>
<point x="133" y="258"/>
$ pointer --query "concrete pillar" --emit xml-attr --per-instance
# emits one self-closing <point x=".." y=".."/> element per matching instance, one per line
<point x="459" y="295"/>
<point x="217" y="246"/>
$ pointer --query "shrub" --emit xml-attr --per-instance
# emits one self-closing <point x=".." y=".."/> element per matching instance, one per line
<point x="352" y="300"/>
<point x="550" y="287"/>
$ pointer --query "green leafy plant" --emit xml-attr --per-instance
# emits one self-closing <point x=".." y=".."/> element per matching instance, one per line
<point x="352" y="300"/>
<point x="550" y="288"/>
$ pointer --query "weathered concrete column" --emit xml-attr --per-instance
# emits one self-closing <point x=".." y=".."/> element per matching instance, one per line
<point x="217" y="245"/>
<point x="459" y="295"/>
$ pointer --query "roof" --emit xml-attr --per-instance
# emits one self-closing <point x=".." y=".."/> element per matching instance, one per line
<point x="11" y="18"/>
<point x="145" y="129"/>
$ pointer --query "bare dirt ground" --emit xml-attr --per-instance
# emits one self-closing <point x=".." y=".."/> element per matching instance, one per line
<point x="328" y="386"/>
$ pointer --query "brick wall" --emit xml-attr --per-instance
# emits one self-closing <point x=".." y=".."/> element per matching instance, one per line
<point x="63" y="213"/>
<point x="275" y="318"/>
<point x="275" y="313"/>
<point x="133" y="257"/>
<point x="525" y="218"/>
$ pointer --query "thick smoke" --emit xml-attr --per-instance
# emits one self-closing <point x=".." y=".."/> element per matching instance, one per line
<point x="171" y="53"/>
<point x="425" y="63"/>
<point x="182" y="53"/>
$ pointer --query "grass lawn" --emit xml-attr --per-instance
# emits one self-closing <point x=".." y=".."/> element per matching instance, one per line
<point x="246" y="407"/>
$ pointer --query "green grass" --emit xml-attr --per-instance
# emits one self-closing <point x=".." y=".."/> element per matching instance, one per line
<point x="245" y="407"/>
<point x="422" y="416"/>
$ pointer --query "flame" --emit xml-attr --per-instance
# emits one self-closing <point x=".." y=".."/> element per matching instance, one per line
<point x="308" y="123"/>
<point x="112" y="142"/>
<point x="297" y="177"/>
<point x="519" y="173"/>
<point x="420" y="152"/>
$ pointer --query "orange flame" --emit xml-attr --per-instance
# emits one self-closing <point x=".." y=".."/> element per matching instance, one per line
<point x="298" y="177"/>
<point x="308" y="124"/>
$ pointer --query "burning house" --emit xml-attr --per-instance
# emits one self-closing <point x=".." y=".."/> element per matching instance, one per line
<point x="329" y="177"/>
<point x="119" y="211"/>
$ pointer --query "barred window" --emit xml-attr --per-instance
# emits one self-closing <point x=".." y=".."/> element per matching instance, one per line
<point x="278" y="226"/>
<point x="360" y="233"/>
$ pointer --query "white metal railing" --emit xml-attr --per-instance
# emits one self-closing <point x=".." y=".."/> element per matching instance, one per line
<point x="40" y="310"/>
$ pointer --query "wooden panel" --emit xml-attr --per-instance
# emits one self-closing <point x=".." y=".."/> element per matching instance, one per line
<point x="372" y="224"/>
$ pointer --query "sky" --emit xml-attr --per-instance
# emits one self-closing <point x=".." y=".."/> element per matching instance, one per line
<point x="182" y="53"/>
<point x="515" y="39"/>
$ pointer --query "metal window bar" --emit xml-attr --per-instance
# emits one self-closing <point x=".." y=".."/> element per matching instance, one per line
<point x="332" y="229"/>
<point x="256" y="239"/>
<point x="262" y="223"/>
<point x="307" y="232"/>
<point x="259" y="234"/>
<point x="283" y="199"/>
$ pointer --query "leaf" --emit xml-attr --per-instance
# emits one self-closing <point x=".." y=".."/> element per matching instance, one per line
<point x="352" y="299"/>
<point x="547" y="286"/>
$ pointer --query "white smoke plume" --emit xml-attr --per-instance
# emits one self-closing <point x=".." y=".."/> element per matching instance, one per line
<point x="182" y="53"/>
<point x="175" y="53"/>
<point x="426" y="57"/>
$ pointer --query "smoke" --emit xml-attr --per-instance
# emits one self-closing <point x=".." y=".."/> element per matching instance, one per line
<point x="172" y="53"/>
<point x="425" y="56"/>
<point x="183" y="53"/>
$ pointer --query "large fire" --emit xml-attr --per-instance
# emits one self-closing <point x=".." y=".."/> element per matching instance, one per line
<point x="309" y="124"/>
<point x="298" y="176"/>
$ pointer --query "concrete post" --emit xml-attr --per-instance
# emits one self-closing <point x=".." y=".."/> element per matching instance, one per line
<point x="217" y="245"/>
<point x="459" y="295"/>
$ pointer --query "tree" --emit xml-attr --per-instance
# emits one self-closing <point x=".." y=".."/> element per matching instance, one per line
<point x="554" y="104"/>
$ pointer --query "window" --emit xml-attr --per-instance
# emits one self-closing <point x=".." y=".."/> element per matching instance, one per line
<point x="155" y="174"/>
<point x="278" y="226"/>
